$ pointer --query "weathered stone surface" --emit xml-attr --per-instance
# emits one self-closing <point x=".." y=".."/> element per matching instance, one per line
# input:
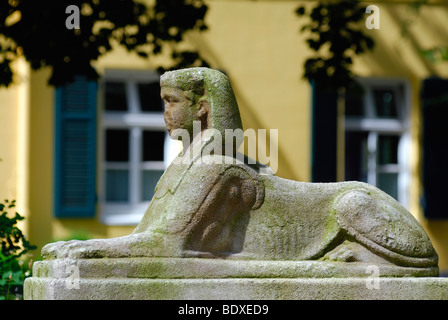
<point x="186" y="268"/>
<point x="196" y="278"/>
<point x="240" y="289"/>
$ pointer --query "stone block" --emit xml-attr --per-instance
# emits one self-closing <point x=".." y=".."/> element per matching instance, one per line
<point x="213" y="279"/>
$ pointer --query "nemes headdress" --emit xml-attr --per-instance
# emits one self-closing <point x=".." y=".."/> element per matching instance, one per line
<point x="197" y="82"/>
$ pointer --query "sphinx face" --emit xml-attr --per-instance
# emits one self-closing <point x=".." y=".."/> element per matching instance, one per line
<point x="179" y="110"/>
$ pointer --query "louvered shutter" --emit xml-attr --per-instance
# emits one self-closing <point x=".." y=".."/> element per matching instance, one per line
<point x="435" y="147"/>
<point x="324" y="134"/>
<point x="75" y="149"/>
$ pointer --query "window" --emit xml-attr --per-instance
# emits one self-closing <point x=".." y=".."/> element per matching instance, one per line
<point x="376" y="136"/>
<point x="74" y="149"/>
<point x="136" y="148"/>
<point x="434" y="113"/>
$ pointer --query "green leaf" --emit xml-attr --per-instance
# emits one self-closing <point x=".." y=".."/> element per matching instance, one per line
<point x="17" y="278"/>
<point x="7" y="275"/>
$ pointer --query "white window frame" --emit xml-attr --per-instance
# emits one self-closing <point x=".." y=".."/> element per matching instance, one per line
<point x="129" y="213"/>
<point x="375" y="126"/>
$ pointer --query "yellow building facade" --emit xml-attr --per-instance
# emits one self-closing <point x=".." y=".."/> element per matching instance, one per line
<point x="259" y="46"/>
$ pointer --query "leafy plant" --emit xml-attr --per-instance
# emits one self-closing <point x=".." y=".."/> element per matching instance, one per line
<point x="336" y="36"/>
<point x="14" y="245"/>
<point x="36" y="30"/>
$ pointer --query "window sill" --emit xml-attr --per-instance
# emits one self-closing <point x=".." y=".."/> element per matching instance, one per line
<point x="122" y="214"/>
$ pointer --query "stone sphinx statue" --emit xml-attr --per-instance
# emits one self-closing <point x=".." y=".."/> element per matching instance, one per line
<point x="207" y="207"/>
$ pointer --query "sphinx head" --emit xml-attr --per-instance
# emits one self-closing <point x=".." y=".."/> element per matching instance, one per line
<point x="199" y="94"/>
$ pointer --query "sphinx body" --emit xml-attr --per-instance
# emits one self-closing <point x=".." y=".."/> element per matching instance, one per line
<point x="247" y="215"/>
<point x="210" y="208"/>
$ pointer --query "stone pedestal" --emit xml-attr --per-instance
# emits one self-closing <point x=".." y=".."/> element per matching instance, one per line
<point x="211" y="279"/>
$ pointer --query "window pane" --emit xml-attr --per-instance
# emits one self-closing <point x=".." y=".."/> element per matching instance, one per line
<point x="153" y="145"/>
<point x="150" y="99"/>
<point x="150" y="179"/>
<point x="388" y="149"/>
<point x="115" y="96"/>
<point x="117" y="185"/>
<point x="388" y="182"/>
<point x="385" y="103"/>
<point x="356" y="155"/>
<point x="117" y="145"/>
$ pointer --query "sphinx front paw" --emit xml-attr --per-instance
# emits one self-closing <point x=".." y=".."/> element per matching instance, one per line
<point x="51" y="251"/>
<point x="89" y="249"/>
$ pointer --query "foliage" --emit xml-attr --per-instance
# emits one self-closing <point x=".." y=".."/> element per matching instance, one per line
<point x="336" y="34"/>
<point x="13" y="268"/>
<point x="412" y="15"/>
<point x="13" y="272"/>
<point x="37" y="31"/>
<point x="79" y="234"/>
<point x="437" y="54"/>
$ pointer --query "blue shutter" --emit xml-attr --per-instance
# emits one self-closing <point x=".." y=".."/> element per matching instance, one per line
<point x="75" y="149"/>
<point x="435" y="147"/>
<point x="324" y="134"/>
